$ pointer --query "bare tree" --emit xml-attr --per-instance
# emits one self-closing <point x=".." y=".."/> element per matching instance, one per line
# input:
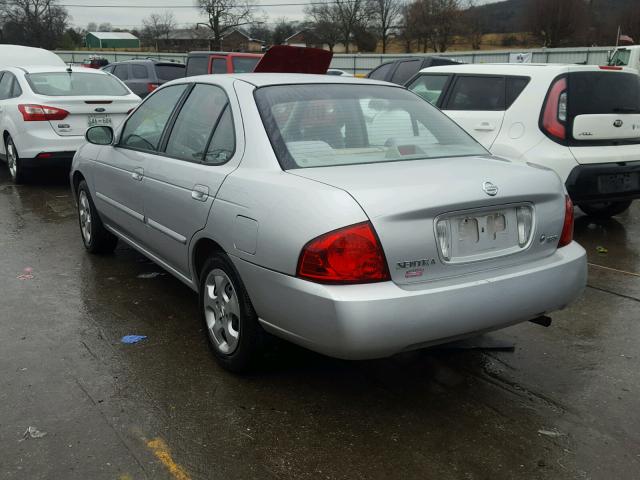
<point x="555" y="22"/>
<point x="39" y="23"/>
<point x="384" y="15"/>
<point x="223" y="16"/>
<point x="92" y="27"/>
<point x="283" y="30"/>
<point x="351" y="14"/>
<point x="157" y="27"/>
<point x="473" y="24"/>
<point x="323" y="24"/>
<point x="105" y="27"/>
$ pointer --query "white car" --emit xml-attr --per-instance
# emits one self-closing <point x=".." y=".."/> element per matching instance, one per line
<point x="582" y="121"/>
<point x="46" y="110"/>
<point x="19" y="55"/>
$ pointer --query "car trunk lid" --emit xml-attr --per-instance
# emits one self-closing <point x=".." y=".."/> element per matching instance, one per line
<point x="405" y="202"/>
<point x="289" y="59"/>
<point x="85" y="112"/>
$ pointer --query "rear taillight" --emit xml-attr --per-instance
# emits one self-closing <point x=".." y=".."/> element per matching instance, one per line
<point x="41" y="113"/>
<point x="151" y="87"/>
<point x="349" y="255"/>
<point x="554" y="114"/>
<point x="524" y="220"/>
<point x="610" y="67"/>
<point x="566" y="237"/>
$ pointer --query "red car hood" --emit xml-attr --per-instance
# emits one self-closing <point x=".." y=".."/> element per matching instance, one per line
<point x="288" y="59"/>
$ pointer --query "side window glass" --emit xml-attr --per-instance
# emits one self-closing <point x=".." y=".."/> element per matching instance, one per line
<point x="16" y="91"/>
<point x="197" y="65"/>
<point x="405" y="71"/>
<point x="223" y="142"/>
<point x="139" y="71"/>
<point x="477" y="93"/>
<point x="121" y="71"/>
<point x="108" y="69"/>
<point x="144" y="128"/>
<point x="381" y="72"/>
<point x="195" y="122"/>
<point x="429" y="87"/>
<point x="515" y="86"/>
<point x="219" y="65"/>
<point x="6" y="84"/>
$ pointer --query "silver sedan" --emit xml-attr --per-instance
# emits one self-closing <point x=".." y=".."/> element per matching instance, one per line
<point x="348" y="216"/>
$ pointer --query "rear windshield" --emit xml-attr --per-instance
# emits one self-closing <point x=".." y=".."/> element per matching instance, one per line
<point x="244" y="64"/>
<point x="63" y="84"/>
<point x="325" y="125"/>
<point x="169" y="72"/>
<point x="620" y="57"/>
<point x="592" y="93"/>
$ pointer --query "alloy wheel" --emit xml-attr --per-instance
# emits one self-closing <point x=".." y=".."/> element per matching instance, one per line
<point x="84" y="212"/>
<point x="12" y="159"/>
<point x="222" y="311"/>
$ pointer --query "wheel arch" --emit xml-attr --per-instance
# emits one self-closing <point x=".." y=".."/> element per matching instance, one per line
<point x="203" y="249"/>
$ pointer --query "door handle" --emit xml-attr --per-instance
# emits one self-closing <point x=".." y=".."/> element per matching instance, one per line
<point x="200" y="193"/>
<point x="137" y="174"/>
<point x="484" y="127"/>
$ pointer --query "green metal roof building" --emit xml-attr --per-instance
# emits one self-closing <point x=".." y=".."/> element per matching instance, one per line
<point x="111" y="40"/>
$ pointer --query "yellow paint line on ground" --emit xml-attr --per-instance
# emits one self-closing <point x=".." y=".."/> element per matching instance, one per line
<point x="162" y="453"/>
<point x="615" y="270"/>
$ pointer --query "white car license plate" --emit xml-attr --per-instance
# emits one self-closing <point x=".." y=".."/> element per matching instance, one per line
<point x="96" y="120"/>
<point x="620" y="182"/>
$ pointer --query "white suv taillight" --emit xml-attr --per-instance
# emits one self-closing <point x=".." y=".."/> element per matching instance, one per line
<point x="554" y="111"/>
<point x="524" y="218"/>
<point x="41" y="113"/>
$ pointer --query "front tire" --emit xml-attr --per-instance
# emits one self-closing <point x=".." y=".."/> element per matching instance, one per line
<point x="604" y="209"/>
<point x="235" y="336"/>
<point x="16" y="170"/>
<point x="95" y="237"/>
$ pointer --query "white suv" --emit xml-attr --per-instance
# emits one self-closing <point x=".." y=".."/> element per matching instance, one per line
<point x="45" y="112"/>
<point x="581" y="121"/>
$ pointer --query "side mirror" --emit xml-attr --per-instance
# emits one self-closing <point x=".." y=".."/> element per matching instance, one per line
<point x="99" y="135"/>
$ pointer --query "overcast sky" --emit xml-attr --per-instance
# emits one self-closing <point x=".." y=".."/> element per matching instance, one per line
<point x="127" y="17"/>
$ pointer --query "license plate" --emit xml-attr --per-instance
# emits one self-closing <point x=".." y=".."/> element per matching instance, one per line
<point x="96" y="120"/>
<point x="619" y="182"/>
<point x="484" y="232"/>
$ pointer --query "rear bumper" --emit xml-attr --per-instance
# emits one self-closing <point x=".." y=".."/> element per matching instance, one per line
<point x="378" y="320"/>
<point x="31" y="142"/>
<point x="53" y="159"/>
<point x="582" y="183"/>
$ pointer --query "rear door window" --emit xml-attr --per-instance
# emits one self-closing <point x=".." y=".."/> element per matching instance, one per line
<point x="605" y="92"/>
<point x="223" y="142"/>
<point x="430" y="87"/>
<point x="6" y="85"/>
<point x="405" y="71"/>
<point x="122" y="72"/>
<point x="477" y="94"/>
<point x="139" y="71"/>
<point x="195" y="122"/>
<point x="169" y="72"/>
<point x="381" y="72"/>
<point x="219" y="65"/>
<point x="515" y="86"/>
<point x="197" y="65"/>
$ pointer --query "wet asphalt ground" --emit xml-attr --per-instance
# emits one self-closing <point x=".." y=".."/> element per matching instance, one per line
<point x="563" y="405"/>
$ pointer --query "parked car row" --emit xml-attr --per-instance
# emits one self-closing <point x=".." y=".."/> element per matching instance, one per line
<point x="351" y="216"/>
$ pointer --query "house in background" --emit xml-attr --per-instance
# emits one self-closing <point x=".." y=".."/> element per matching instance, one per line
<point x="307" y="38"/>
<point x="111" y="40"/>
<point x="240" y="41"/>
<point x="186" y="40"/>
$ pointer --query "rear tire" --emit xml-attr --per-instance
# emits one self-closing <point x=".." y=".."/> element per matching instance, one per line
<point x="235" y="336"/>
<point x="95" y="237"/>
<point x="604" y="209"/>
<point x="16" y="170"/>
